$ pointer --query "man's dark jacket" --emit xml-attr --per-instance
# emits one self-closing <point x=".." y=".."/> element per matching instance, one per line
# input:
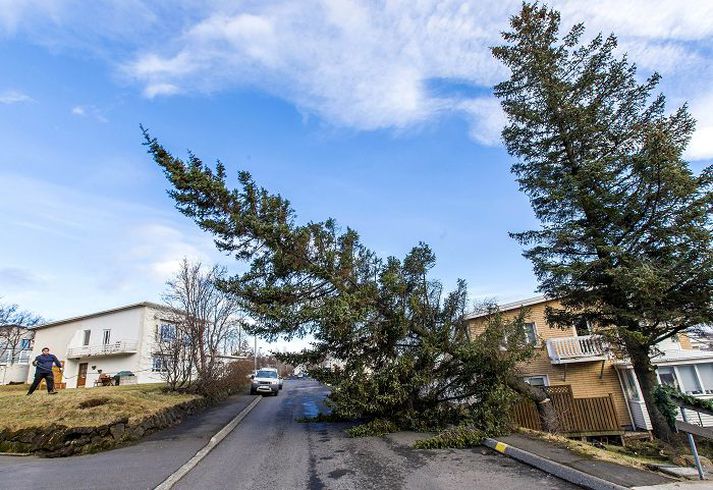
<point x="44" y="363"/>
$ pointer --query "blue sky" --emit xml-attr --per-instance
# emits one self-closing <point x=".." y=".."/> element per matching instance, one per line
<point x="378" y="114"/>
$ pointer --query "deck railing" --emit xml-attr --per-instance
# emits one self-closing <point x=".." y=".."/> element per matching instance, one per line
<point x="110" y="349"/>
<point x="583" y="348"/>
<point x="576" y="416"/>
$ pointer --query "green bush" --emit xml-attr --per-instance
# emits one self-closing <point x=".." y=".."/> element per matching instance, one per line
<point x="462" y="436"/>
<point x="376" y="427"/>
<point x="668" y="399"/>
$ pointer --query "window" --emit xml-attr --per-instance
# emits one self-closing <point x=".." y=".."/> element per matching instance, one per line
<point x="530" y="333"/>
<point x="689" y="380"/>
<point x="582" y="327"/>
<point x="667" y="376"/>
<point x="630" y="385"/>
<point x="24" y="344"/>
<point x="705" y="371"/>
<point x="107" y="337"/>
<point x="87" y="335"/>
<point x="167" y="331"/>
<point x="536" y="380"/>
<point x="266" y="374"/>
<point x="158" y="364"/>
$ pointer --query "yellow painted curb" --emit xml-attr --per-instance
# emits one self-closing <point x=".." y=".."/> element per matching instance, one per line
<point x="501" y="447"/>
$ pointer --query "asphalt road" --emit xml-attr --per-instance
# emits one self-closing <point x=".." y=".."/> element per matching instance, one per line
<point x="270" y="450"/>
<point x="139" y="466"/>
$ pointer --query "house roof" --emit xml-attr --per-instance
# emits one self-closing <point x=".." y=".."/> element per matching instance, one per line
<point x="676" y="356"/>
<point x="142" y="304"/>
<point x="514" y="305"/>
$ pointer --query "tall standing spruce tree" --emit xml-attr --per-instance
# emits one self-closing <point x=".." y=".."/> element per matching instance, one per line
<point x="406" y="352"/>
<point x="625" y="238"/>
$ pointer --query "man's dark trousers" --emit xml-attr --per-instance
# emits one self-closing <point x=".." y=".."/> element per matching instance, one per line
<point x="48" y="377"/>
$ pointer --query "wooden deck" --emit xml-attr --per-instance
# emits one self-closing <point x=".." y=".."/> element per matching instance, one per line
<point x="593" y="416"/>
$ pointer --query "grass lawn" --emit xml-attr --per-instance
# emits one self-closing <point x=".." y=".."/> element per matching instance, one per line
<point x="612" y="453"/>
<point x="18" y="411"/>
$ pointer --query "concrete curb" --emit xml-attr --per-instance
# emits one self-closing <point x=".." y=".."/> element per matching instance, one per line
<point x="559" y="470"/>
<point x="169" y="482"/>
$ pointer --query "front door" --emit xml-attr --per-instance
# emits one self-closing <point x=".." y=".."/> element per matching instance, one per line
<point x="82" y="375"/>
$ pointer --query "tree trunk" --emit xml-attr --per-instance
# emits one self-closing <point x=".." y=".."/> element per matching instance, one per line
<point x="646" y="376"/>
<point x="548" y="415"/>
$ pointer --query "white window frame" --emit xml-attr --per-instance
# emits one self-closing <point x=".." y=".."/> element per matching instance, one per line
<point x="86" y="337"/>
<point x="545" y="377"/>
<point x="159" y="331"/>
<point x="536" y="340"/>
<point x="631" y="385"/>
<point x="158" y="364"/>
<point x="706" y="390"/>
<point x="106" y="336"/>
<point x="681" y="385"/>
<point x="588" y="328"/>
<point x="679" y="379"/>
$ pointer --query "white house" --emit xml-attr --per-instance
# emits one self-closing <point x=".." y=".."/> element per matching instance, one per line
<point x="106" y="342"/>
<point x="15" y="352"/>
<point x="689" y="370"/>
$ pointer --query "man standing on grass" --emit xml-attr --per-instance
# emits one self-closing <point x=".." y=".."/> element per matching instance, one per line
<point x="44" y="363"/>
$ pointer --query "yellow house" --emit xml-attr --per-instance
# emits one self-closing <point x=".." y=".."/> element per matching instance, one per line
<point x="575" y="357"/>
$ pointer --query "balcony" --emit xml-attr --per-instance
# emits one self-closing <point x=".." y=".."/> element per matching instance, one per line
<point x="120" y="347"/>
<point x="566" y="350"/>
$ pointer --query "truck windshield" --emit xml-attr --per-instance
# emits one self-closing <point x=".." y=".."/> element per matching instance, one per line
<point x="266" y="374"/>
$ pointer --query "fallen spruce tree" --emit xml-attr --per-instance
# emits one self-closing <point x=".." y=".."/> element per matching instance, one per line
<point x="408" y="360"/>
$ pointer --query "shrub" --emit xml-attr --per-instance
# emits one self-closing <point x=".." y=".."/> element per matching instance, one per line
<point x="462" y="436"/>
<point x="376" y="427"/>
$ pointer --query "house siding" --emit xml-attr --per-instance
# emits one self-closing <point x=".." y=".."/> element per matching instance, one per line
<point x="583" y="377"/>
<point x="137" y="323"/>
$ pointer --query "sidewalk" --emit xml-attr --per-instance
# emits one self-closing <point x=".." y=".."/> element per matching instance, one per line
<point x="142" y="465"/>
<point x="624" y="476"/>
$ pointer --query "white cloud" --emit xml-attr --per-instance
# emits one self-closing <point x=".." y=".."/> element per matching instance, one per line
<point x="14" y="97"/>
<point x="362" y="65"/>
<point x="89" y="111"/>
<point x="154" y="89"/>
<point x="81" y="251"/>
<point x="701" y="145"/>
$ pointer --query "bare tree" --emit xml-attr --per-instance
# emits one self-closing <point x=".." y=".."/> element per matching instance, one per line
<point x="14" y="324"/>
<point x="205" y="320"/>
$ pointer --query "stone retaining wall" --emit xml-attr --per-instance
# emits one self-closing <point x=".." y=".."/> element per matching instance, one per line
<point x="59" y="440"/>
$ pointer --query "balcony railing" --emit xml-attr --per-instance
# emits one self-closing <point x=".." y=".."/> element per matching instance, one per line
<point x="576" y="349"/>
<point x="110" y="349"/>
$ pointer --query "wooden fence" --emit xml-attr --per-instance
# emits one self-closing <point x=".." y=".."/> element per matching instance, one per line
<point x="577" y="416"/>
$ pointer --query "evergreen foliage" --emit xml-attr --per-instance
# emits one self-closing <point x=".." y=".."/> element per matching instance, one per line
<point x="406" y="354"/>
<point x="625" y="237"/>
<point x="461" y="436"/>
<point x="668" y="399"/>
<point x="376" y="427"/>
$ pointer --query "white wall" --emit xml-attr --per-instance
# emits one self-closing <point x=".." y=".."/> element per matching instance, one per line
<point x="124" y="325"/>
<point x="15" y="373"/>
<point x="151" y="319"/>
